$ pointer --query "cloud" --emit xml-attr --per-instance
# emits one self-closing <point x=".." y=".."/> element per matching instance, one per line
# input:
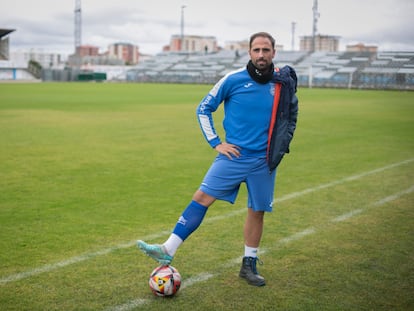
<point x="49" y="24"/>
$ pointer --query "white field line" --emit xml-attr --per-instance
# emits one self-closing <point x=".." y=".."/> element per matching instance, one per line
<point x="72" y="260"/>
<point x="394" y="197"/>
<point x="375" y="204"/>
<point x="297" y="236"/>
<point x="341" y="181"/>
<point x="87" y="256"/>
<point x="348" y="215"/>
<point x="129" y="305"/>
<point x="203" y="276"/>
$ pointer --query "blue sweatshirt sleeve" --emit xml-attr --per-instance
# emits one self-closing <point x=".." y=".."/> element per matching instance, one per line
<point x="205" y="109"/>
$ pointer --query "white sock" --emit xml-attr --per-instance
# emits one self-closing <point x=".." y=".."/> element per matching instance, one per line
<point x="172" y="244"/>
<point x="250" y="251"/>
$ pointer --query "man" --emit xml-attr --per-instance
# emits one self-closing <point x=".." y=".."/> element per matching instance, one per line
<point x="261" y="110"/>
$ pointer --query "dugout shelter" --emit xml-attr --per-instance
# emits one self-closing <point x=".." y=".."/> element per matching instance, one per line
<point x="4" y="43"/>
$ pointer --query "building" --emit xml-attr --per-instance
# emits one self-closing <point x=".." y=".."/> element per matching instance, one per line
<point x="237" y="45"/>
<point x="127" y="52"/>
<point x="243" y="46"/>
<point x="82" y="52"/>
<point x="323" y="43"/>
<point x="87" y="50"/>
<point x="118" y="54"/>
<point x="192" y="44"/>
<point x="46" y="60"/>
<point x="360" y="47"/>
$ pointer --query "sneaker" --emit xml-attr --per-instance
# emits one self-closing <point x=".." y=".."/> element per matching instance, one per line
<point x="155" y="251"/>
<point x="249" y="272"/>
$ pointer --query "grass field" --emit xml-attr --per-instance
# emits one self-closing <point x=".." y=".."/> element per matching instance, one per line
<point x="87" y="169"/>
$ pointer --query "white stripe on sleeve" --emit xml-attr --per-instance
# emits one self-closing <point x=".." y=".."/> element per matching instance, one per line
<point x="207" y="127"/>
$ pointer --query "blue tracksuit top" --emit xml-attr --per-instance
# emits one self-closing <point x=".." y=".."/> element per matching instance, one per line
<point x="247" y="112"/>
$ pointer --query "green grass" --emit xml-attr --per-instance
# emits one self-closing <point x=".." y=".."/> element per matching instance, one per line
<point x="86" y="169"/>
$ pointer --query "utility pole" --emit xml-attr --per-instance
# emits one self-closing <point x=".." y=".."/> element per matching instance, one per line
<point x="78" y="25"/>
<point x="293" y="35"/>
<point x="182" y="27"/>
<point x="315" y="24"/>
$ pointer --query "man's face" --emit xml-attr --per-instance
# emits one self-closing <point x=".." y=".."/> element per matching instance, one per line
<point x="262" y="53"/>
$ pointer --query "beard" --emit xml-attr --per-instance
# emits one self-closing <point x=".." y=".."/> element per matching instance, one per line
<point x="261" y="64"/>
<point x="258" y="74"/>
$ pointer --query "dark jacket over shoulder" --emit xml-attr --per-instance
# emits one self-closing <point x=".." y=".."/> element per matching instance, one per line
<point x="286" y="117"/>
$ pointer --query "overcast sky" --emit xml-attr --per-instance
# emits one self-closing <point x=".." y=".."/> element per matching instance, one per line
<point x="48" y="25"/>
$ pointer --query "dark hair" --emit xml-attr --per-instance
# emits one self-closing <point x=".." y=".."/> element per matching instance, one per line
<point x="262" y="34"/>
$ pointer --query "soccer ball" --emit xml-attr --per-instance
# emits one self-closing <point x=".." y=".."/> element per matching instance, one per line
<point x="164" y="281"/>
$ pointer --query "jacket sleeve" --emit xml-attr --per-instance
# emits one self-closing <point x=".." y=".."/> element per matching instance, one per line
<point x="294" y="105"/>
<point x="293" y="117"/>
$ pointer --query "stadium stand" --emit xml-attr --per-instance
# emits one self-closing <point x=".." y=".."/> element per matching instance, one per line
<point x="10" y="70"/>
<point x="364" y="70"/>
<point x="4" y="43"/>
<point x="389" y="70"/>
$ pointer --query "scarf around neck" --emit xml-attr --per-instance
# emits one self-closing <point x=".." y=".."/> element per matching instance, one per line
<point x="259" y="76"/>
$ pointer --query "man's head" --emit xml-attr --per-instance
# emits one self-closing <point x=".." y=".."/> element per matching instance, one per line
<point x="262" y="50"/>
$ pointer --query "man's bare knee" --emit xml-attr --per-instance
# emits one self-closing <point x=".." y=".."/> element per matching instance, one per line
<point x="203" y="198"/>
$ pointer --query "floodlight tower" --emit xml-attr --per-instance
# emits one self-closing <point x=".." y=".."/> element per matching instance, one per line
<point x="315" y="24"/>
<point x="182" y="27"/>
<point x="78" y="26"/>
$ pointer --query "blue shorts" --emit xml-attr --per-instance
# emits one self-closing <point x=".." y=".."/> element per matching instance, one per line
<point x="224" y="177"/>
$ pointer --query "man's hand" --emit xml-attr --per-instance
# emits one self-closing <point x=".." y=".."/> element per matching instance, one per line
<point x="228" y="150"/>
